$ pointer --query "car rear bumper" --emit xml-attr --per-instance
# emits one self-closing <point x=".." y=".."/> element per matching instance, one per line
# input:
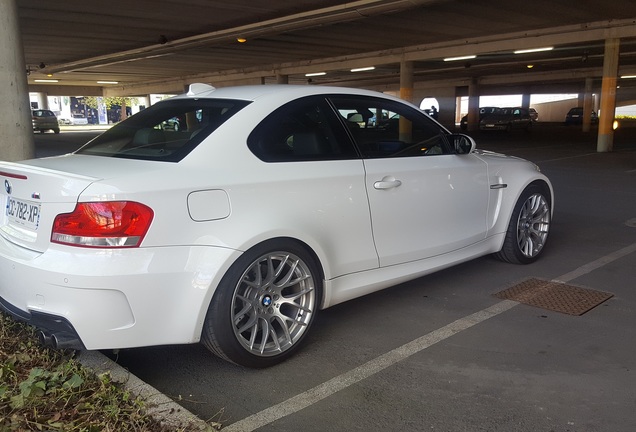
<point x="118" y="298"/>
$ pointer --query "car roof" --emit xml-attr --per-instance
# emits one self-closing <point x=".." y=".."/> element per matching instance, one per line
<point x="287" y="91"/>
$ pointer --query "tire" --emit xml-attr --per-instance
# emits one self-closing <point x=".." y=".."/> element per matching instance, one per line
<point x="264" y="306"/>
<point x="528" y="228"/>
<point x="57" y="131"/>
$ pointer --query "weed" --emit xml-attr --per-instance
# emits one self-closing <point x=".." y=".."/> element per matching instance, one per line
<point x="48" y="390"/>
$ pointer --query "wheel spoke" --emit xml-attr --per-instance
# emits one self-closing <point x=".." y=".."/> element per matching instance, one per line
<point x="533" y="225"/>
<point x="273" y="303"/>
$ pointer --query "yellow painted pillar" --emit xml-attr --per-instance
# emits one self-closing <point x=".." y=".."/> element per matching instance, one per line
<point x="406" y="81"/>
<point x="406" y="93"/>
<point x="605" y="141"/>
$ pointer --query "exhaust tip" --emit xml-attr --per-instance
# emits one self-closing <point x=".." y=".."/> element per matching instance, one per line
<point x="65" y="341"/>
<point x="45" y="339"/>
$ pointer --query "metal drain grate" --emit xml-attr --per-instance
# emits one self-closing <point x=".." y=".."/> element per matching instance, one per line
<point x="554" y="296"/>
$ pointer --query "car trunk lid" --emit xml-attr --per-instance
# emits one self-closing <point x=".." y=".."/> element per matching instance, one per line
<point x="30" y="198"/>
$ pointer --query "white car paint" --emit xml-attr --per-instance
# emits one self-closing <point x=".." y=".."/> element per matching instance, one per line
<point x="371" y="223"/>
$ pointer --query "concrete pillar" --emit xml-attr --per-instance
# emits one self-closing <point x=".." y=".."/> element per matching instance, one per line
<point x="525" y="100"/>
<point x="42" y="100"/>
<point x="282" y="79"/>
<point x="16" y="130"/>
<point x="605" y="141"/>
<point x="587" y="105"/>
<point x="473" y="105"/>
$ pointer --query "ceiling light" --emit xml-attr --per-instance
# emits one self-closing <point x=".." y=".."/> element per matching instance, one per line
<point x="532" y="50"/>
<point x="241" y="40"/>
<point x="363" y="69"/>
<point x="107" y="82"/>
<point x="468" y="57"/>
<point x="46" y="80"/>
<point x="628" y="76"/>
<point x="530" y="66"/>
<point x="313" y="74"/>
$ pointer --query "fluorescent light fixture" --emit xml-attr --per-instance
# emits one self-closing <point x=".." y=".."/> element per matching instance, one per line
<point x="628" y="76"/>
<point x="315" y="74"/>
<point x="107" y="82"/>
<point x="532" y="50"/>
<point x="363" y="69"/>
<point x="46" y="80"/>
<point x="468" y="57"/>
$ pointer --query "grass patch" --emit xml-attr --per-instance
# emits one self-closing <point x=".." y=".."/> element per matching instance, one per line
<point x="47" y="390"/>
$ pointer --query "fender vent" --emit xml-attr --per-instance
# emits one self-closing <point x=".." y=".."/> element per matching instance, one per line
<point x="554" y="296"/>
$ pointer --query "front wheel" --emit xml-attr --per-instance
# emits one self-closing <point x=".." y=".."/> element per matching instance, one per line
<point x="264" y="305"/>
<point x="528" y="228"/>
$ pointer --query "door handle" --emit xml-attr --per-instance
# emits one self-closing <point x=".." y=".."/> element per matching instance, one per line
<point x="388" y="182"/>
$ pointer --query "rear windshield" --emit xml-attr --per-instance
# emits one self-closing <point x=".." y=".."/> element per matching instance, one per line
<point x="167" y="131"/>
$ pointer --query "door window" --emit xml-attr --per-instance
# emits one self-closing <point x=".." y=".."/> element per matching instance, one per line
<point x="383" y="128"/>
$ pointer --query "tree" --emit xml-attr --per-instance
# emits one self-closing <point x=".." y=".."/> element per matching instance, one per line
<point x="110" y="102"/>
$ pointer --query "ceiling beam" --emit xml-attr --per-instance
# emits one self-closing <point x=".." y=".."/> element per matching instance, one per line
<point x="483" y="45"/>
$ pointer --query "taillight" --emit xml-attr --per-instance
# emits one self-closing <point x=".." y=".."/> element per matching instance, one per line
<point x="110" y="224"/>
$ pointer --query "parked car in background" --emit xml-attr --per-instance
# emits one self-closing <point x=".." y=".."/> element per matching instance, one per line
<point x="463" y="123"/>
<point x="44" y="120"/>
<point x="268" y="204"/>
<point x="534" y="115"/>
<point x="71" y="121"/>
<point x="507" y="119"/>
<point x="575" y="116"/>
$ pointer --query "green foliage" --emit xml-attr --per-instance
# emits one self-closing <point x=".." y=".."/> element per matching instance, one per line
<point x="109" y="102"/>
<point x="47" y="390"/>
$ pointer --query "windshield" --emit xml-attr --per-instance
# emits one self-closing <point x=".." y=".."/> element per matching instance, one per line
<point x="167" y="131"/>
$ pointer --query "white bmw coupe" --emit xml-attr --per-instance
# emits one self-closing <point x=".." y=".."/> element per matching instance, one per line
<point x="266" y="205"/>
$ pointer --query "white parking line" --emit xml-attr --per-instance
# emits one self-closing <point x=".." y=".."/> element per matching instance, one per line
<point x="589" y="267"/>
<point x="334" y="385"/>
<point x="372" y="367"/>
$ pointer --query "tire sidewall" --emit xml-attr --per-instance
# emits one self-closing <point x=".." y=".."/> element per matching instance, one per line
<point x="219" y="316"/>
<point x="514" y="223"/>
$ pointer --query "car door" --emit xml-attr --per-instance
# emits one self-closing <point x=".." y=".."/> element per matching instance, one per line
<point x="425" y="200"/>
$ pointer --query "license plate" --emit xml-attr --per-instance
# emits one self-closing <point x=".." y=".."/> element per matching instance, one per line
<point x="23" y="213"/>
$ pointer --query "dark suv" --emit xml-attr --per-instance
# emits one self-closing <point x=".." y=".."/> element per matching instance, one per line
<point x="44" y="120"/>
<point x="575" y="116"/>
<point x="507" y="119"/>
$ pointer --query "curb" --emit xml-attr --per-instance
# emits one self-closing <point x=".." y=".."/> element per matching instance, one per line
<point x="159" y="406"/>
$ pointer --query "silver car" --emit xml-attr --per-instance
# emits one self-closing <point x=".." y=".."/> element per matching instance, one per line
<point x="44" y="120"/>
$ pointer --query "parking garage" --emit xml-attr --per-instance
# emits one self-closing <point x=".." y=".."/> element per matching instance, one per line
<point x="442" y="352"/>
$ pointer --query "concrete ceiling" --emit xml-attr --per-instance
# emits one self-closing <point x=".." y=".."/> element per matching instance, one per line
<point x="158" y="46"/>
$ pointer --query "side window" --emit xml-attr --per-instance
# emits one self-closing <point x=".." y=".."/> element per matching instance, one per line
<point x="303" y="130"/>
<point x="382" y="128"/>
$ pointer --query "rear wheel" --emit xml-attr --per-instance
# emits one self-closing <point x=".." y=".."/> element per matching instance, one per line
<point x="264" y="305"/>
<point x="528" y="228"/>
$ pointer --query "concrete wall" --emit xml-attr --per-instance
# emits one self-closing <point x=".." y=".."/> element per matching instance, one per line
<point x="554" y="111"/>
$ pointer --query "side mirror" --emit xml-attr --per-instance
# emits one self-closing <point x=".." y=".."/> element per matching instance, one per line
<point x="462" y="144"/>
